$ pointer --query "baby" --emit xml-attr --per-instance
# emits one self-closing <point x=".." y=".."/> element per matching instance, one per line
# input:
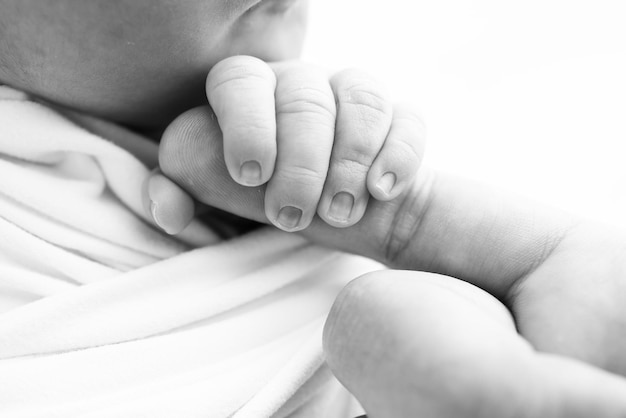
<point x="103" y="313"/>
<point x="272" y="139"/>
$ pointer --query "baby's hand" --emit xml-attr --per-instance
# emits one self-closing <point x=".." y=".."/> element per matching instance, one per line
<point x="320" y="146"/>
<point x="562" y="278"/>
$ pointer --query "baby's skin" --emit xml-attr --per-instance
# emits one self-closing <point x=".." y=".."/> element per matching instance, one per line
<point x="558" y="276"/>
<point x="318" y="144"/>
<point x="144" y="64"/>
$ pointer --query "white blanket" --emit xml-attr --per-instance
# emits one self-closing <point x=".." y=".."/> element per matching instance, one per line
<point x="102" y="315"/>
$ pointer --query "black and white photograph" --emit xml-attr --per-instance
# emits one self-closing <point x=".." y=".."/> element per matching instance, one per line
<point x="312" y="209"/>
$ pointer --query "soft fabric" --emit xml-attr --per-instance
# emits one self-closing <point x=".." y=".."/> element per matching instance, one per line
<point x="102" y="315"/>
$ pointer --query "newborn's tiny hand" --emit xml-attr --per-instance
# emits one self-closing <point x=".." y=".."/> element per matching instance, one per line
<point x="319" y="145"/>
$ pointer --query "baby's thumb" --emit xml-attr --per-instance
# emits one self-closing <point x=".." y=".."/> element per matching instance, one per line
<point x="169" y="206"/>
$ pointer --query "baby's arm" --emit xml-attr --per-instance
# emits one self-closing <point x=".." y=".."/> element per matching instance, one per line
<point x="296" y="140"/>
<point x="313" y="144"/>
<point x="311" y="139"/>
<point x="556" y="274"/>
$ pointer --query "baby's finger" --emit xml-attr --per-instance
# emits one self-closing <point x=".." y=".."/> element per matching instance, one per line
<point x="363" y="121"/>
<point x="241" y="92"/>
<point x="305" y="118"/>
<point x="397" y="163"/>
<point x="170" y="207"/>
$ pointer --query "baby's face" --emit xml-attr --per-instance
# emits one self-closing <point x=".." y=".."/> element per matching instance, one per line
<point x="138" y="62"/>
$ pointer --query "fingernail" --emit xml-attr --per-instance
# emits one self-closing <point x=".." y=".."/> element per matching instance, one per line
<point x="289" y="217"/>
<point x="154" y="211"/>
<point x="250" y="173"/>
<point x="386" y="183"/>
<point x="341" y="207"/>
<point x="175" y="210"/>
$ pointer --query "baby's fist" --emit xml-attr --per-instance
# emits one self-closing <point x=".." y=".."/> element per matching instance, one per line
<point x="317" y="145"/>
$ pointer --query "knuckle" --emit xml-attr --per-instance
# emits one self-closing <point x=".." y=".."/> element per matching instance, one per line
<point x="354" y="165"/>
<point x="405" y="144"/>
<point x="360" y="146"/>
<point x="354" y="88"/>
<point x="306" y="100"/>
<point x="410" y="150"/>
<point x="301" y="174"/>
<point x="237" y="72"/>
<point x="414" y="119"/>
<point x="407" y="112"/>
<point x="410" y="121"/>
<point x="368" y="101"/>
<point x="251" y="131"/>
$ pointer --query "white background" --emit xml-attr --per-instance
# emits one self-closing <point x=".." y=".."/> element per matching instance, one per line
<point x="526" y="95"/>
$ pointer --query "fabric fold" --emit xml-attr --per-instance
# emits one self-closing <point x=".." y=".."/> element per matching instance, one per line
<point x="103" y="315"/>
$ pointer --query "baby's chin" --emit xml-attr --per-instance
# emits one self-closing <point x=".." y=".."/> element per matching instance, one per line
<point x="147" y="86"/>
<point x="153" y="114"/>
<point x="146" y="110"/>
<point x="147" y="77"/>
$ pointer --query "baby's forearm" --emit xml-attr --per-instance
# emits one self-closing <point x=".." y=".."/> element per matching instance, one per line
<point x="339" y="162"/>
<point x="481" y="234"/>
<point x="457" y="227"/>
